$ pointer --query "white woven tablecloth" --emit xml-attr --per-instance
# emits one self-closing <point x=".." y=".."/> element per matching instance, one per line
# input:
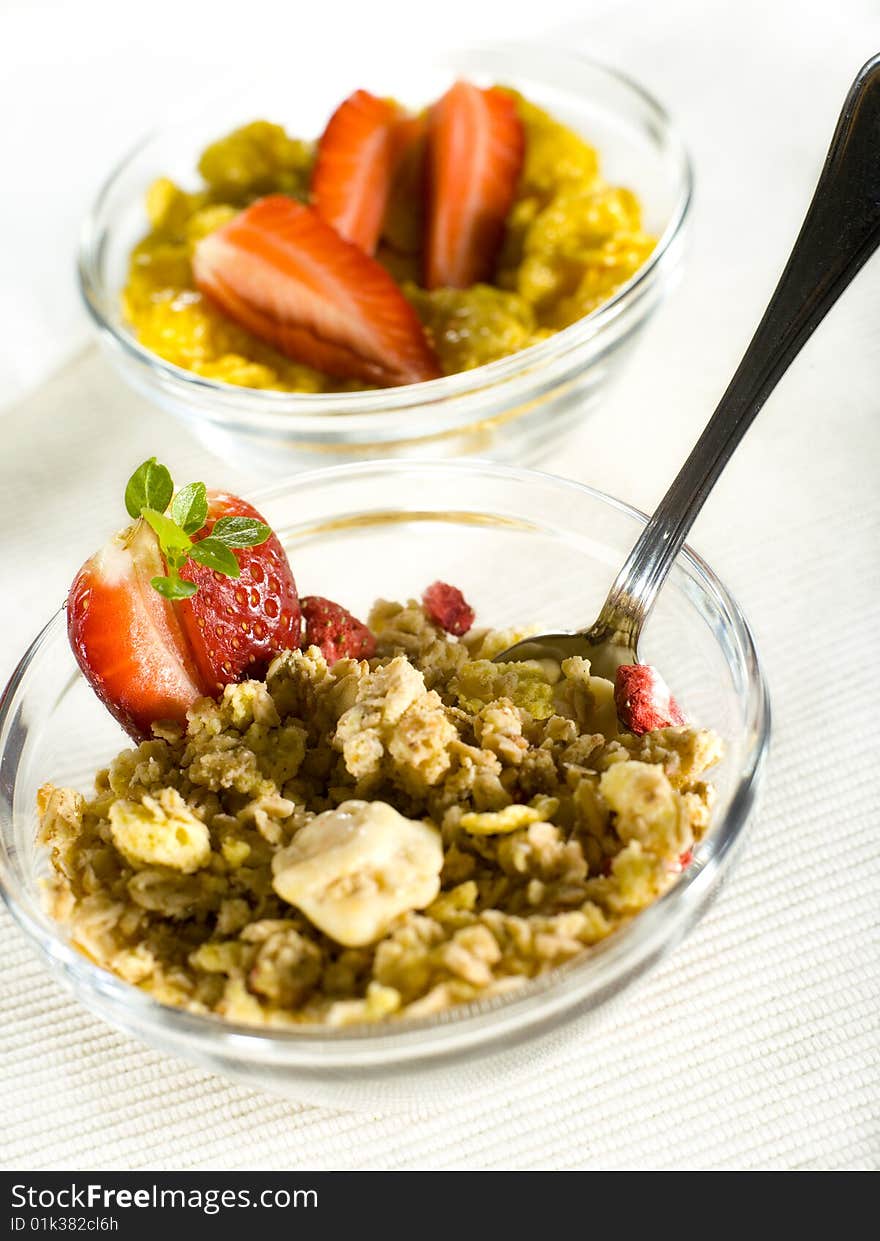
<point x="756" y="1043"/>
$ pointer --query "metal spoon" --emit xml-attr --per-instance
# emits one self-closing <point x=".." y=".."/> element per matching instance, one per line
<point x="840" y="232"/>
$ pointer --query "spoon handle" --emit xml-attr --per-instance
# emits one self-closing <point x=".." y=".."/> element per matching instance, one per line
<point x="840" y="232"/>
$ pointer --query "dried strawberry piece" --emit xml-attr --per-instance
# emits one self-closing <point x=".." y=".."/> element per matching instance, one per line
<point x="643" y="699"/>
<point x="332" y="627"/>
<point x="448" y="608"/>
<point x="686" y="858"/>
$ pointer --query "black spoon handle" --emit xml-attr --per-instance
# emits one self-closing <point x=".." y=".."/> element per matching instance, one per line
<point x="840" y="232"/>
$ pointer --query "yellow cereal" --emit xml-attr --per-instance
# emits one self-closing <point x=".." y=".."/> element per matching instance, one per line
<point x="571" y="241"/>
<point x="510" y="818"/>
<point x="236" y="852"/>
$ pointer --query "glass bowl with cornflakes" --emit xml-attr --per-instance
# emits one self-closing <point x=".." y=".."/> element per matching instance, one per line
<point x="526" y="549"/>
<point x="591" y="243"/>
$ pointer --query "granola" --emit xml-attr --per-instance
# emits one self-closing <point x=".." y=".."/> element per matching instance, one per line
<point x="377" y="838"/>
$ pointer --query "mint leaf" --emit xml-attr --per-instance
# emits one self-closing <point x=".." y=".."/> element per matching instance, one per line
<point x="240" y="531"/>
<point x="189" y="508"/>
<point x="174" y="543"/>
<point x="150" y="486"/>
<point x="174" y="587"/>
<point x="215" y="555"/>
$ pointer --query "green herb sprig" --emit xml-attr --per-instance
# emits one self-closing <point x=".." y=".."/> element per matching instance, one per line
<point x="149" y="493"/>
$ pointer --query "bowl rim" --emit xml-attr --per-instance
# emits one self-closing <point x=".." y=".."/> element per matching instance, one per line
<point x="553" y="998"/>
<point x="327" y="405"/>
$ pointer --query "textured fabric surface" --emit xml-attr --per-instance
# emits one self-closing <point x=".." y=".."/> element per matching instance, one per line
<point x="756" y="1043"/>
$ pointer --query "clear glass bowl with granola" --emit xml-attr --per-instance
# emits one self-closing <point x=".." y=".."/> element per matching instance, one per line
<point x="345" y="874"/>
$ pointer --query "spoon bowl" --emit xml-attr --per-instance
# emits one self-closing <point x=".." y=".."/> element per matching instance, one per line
<point x="605" y="655"/>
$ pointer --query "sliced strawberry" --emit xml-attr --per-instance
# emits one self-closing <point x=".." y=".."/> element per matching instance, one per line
<point x="475" y="154"/>
<point x="286" y="275"/>
<point x="643" y="699"/>
<point x="235" y="626"/>
<point x="448" y="608"/>
<point x="404" y="225"/>
<point x="127" y="639"/>
<point x="331" y="627"/>
<point x="353" y="168"/>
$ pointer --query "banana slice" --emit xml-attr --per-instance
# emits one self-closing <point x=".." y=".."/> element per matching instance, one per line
<point x="647" y="807"/>
<point x="355" y="869"/>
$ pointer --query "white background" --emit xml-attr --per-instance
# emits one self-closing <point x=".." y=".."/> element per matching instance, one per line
<point x="757" y="1044"/>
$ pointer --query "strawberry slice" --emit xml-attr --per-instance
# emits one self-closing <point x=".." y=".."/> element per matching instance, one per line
<point x="332" y="627"/>
<point x="475" y="153"/>
<point x="236" y="626"/>
<point x="353" y="168"/>
<point x="286" y="275"/>
<point x="127" y="639"/>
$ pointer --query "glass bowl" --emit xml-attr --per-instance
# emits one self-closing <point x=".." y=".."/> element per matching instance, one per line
<point x="523" y="546"/>
<point x="514" y="409"/>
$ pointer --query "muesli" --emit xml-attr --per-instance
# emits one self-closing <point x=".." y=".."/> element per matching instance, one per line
<point x="377" y="820"/>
